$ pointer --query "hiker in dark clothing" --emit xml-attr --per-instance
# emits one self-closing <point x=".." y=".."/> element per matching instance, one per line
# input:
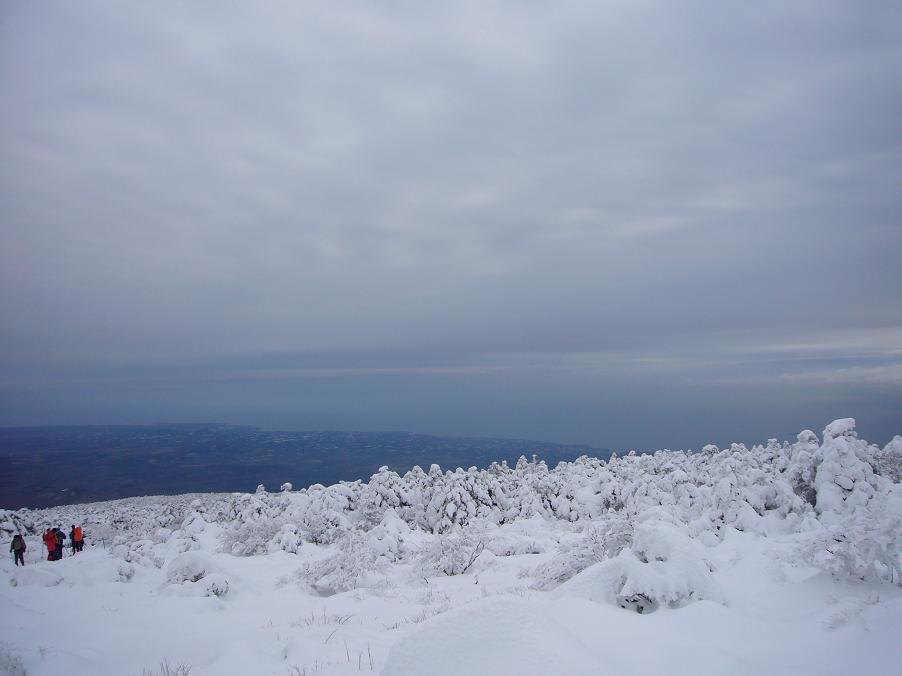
<point x="18" y="548"/>
<point x="60" y="541"/>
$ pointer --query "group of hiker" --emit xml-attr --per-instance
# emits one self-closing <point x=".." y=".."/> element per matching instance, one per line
<point x="54" y="540"/>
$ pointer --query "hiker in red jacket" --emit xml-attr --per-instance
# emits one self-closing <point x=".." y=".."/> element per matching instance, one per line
<point x="50" y="544"/>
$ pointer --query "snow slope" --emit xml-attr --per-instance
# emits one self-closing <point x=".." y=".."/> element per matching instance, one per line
<point x="784" y="558"/>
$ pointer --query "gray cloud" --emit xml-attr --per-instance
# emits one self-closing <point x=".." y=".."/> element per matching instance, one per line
<point x="432" y="192"/>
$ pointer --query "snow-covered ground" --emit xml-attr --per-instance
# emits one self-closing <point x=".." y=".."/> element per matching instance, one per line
<point x="779" y="559"/>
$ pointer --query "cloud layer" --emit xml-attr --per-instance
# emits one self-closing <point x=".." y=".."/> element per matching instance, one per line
<point x="468" y="198"/>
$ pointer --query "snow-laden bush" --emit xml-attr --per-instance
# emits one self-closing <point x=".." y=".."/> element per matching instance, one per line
<point x="888" y="462"/>
<point x="353" y="565"/>
<point x="161" y="535"/>
<point x="451" y="554"/>
<point x="250" y="537"/>
<point x="385" y="490"/>
<point x="323" y="527"/>
<point x="142" y="552"/>
<point x="324" y="515"/>
<point x="215" y="584"/>
<point x="257" y="519"/>
<point x="194" y="523"/>
<point x="387" y="538"/>
<point x="12" y="523"/>
<point x="194" y="574"/>
<point x="125" y="571"/>
<point x="802" y="466"/>
<point x="844" y="481"/>
<point x="865" y="544"/>
<point x="859" y="510"/>
<point x="600" y="540"/>
<point x="451" y="503"/>
<point x="11" y="663"/>
<point x="663" y="564"/>
<point x="188" y="567"/>
<point x="512" y="544"/>
<point x="288" y="539"/>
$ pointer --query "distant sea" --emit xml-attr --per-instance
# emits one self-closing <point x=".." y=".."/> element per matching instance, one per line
<point x="50" y="466"/>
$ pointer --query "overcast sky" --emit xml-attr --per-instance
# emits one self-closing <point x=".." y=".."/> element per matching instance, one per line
<point x="631" y="224"/>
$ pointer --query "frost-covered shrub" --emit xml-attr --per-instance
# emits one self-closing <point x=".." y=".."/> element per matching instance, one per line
<point x="599" y="541"/>
<point x="188" y="567"/>
<point x="864" y="545"/>
<point x="11" y="523"/>
<point x="385" y="490"/>
<point x="452" y="554"/>
<point x="523" y="502"/>
<point x="639" y="603"/>
<point x="802" y="467"/>
<point x="844" y="481"/>
<point x="387" y="538"/>
<point x="11" y="663"/>
<point x="888" y="462"/>
<point x="257" y="520"/>
<point x="451" y="503"/>
<point x="194" y="574"/>
<point x="215" y="584"/>
<point x="663" y="564"/>
<point x="324" y="516"/>
<point x="288" y="539"/>
<point x="142" y="552"/>
<point x="125" y="571"/>
<point x="161" y="535"/>
<point x="194" y="523"/>
<point x="323" y="527"/>
<point x="353" y="565"/>
<point x="513" y="545"/>
<point x="249" y="538"/>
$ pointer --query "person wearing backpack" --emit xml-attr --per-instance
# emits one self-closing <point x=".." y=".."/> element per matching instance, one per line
<point x="50" y="544"/>
<point x="77" y="537"/>
<point x="18" y="548"/>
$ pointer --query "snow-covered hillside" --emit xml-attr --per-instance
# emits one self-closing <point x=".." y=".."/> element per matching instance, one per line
<point x="779" y="559"/>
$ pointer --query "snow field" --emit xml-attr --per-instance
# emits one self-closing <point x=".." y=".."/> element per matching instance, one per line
<point x="780" y="559"/>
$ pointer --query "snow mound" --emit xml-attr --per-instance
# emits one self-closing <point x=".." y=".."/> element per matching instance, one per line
<point x="33" y="575"/>
<point x="496" y="636"/>
<point x="85" y="570"/>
